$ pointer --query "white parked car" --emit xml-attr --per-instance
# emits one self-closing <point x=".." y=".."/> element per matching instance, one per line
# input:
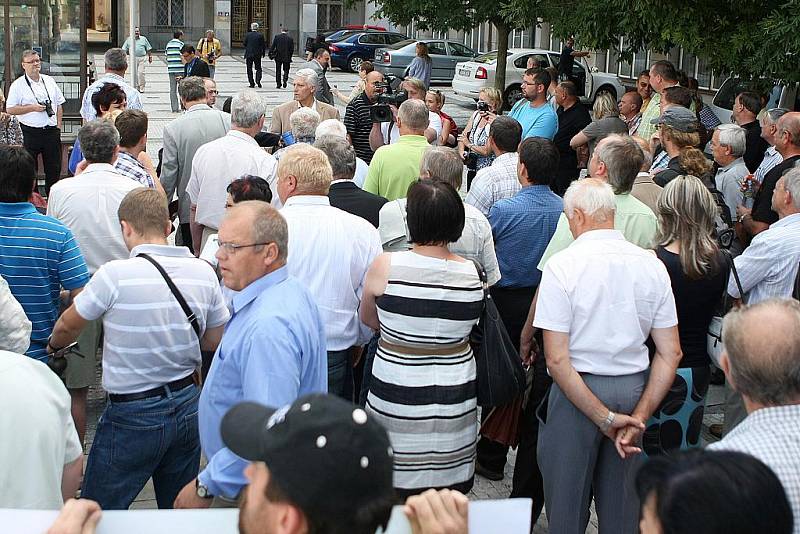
<point x="472" y="76"/>
<point x="783" y="96"/>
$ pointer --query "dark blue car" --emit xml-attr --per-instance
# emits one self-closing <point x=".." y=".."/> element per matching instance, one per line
<point x="350" y="52"/>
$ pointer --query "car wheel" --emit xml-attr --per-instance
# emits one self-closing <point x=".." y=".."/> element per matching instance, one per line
<point x="512" y="95"/>
<point x="608" y="90"/>
<point x="354" y="63"/>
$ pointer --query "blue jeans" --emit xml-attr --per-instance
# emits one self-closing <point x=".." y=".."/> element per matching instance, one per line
<point x="340" y="374"/>
<point x="369" y="359"/>
<point x="155" y="437"/>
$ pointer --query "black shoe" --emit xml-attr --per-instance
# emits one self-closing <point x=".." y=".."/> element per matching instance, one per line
<point x="284" y="85"/>
<point x="259" y="85"/>
<point x="487" y="473"/>
<point x="251" y="86"/>
<point x="278" y="86"/>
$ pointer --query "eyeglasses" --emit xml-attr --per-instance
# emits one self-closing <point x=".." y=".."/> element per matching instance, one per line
<point x="212" y="92"/>
<point x="231" y="248"/>
<point x="34" y="62"/>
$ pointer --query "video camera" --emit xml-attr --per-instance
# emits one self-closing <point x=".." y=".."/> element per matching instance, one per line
<point x="390" y="95"/>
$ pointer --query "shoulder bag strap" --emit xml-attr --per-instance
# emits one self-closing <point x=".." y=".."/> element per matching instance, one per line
<point x="484" y="280"/>
<point x="732" y="266"/>
<point x="796" y="292"/>
<point x="176" y="293"/>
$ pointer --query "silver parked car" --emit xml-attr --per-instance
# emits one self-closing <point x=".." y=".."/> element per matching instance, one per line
<point x="444" y="54"/>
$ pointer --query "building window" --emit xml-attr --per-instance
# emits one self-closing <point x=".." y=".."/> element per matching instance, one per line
<point x="329" y="15"/>
<point x="169" y="12"/>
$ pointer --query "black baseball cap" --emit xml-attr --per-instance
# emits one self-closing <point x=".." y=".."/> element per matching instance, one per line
<point x="325" y="454"/>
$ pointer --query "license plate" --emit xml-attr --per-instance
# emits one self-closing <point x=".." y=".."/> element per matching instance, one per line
<point x="463" y="72"/>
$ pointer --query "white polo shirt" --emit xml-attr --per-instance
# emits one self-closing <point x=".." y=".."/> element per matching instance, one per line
<point x="88" y="205"/>
<point x="216" y="164"/>
<point x="607" y="294"/>
<point x="19" y="94"/>
<point x="38" y="435"/>
<point x="148" y="340"/>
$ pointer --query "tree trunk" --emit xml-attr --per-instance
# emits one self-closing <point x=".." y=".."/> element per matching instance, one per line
<point x="503" y="30"/>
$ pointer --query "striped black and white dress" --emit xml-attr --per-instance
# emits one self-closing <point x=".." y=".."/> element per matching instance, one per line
<point x="423" y="380"/>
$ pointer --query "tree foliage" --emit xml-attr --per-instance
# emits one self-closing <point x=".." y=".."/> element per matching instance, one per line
<point x="750" y="38"/>
<point x="461" y="15"/>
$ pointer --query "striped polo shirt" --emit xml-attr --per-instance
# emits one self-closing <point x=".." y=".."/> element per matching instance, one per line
<point x="173" y="54"/>
<point x="358" y="123"/>
<point x="38" y="256"/>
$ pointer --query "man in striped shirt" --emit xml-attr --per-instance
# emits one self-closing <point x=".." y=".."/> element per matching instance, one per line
<point x="174" y="68"/>
<point x="769" y="127"/>
<point x="357" y="116"/>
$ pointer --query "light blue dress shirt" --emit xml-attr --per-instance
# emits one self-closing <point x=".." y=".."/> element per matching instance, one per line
<point x="273" y="351"/>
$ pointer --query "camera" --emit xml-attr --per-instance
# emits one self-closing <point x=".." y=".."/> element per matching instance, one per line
<point x="482" y="106"/>
<point x="471" y="160"/>
<point x="48" y="107"/>
<point x="389" y="95"/>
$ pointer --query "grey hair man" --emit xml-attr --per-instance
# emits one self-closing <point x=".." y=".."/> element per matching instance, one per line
<point x="394" y="167"/>
<point x="87" y="203"/>
<point x="604" y="385"/>
<point x="337" y="128"/>
<point x="728" y="144"/>
<point x="616" y="160"/>
<point x="330" y="254"/>
<point x="116" y="64"/>
<point x="218" y="162"/>
<point x="344" y="193"/>
<point x="305" y="84"/>
<point x="442" y="164"/>
<point x="255" y="48"/>
<point x="140" y="49"/>
<point x="765" y="370"/>
<point x="304" y="124"/>
<point x="769" y="127"/>
<point x="182" y="137"/>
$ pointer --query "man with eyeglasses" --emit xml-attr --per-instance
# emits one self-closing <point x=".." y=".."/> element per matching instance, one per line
<point x="273" y="350"/>
<point x="37" y="100"/>
<point x="537" y="117"/>
<point x="211" y="91"/>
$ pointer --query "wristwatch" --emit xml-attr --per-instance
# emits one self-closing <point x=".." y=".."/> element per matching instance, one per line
<point x="202" y="490"/>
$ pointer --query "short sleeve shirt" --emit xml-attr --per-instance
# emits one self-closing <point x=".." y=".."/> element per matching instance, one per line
<point x="599" y="129"/>
<point x="19" y="94"/>
<point x="358" y="124"/>
<point x="540" y="121"/>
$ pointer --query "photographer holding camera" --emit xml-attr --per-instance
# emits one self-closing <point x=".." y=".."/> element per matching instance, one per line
<point x="37" y="100"/>
<point x="209" y="49"/>
<point x="385" y="130"/>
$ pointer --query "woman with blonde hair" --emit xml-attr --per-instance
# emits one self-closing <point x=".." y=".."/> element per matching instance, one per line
<point x="420" y="66"/>
<point x="606" y="121"/>
<point x="680" y="140"/>
<point x="475" y="137"/>
<point x="434" y="99"/>
<point x="698" y="271"/>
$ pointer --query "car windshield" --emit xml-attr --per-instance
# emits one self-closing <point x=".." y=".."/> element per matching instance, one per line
<point x="402" y="44"/>
<point x="726" y="95"/>
<point x="488" y="57"/>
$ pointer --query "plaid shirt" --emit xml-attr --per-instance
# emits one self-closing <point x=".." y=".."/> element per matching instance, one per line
<point x="771" y="435"/>
<point x="633" y="123"/>
<point x="494" y="183"/>
<point x="129" y="166"/>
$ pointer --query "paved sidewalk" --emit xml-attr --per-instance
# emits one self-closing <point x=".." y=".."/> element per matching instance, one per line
<point x="231" y="77"/>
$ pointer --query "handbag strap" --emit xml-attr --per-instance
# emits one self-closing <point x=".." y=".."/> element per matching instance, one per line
<point x="176" y="293"/>
<point x="734" y="272"/>
<point x="483" y="278"/>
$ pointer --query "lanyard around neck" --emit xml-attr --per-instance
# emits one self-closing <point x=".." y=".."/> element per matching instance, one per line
<point x="44" y="84"/>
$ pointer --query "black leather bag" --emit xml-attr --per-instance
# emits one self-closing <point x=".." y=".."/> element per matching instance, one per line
<point x="500" y="376"/>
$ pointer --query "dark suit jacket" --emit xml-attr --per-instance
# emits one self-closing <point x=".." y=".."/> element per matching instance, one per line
<point x="349" y="197"/>
<point x="200" y="68"/>
<point x="282" y="48"/>
<point x="254" y="45"/>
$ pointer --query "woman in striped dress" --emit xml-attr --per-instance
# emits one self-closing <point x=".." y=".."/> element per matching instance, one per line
<point x="425" y="302"/>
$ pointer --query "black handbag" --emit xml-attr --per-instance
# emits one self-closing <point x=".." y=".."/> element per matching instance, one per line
<point x="500" y="376"/>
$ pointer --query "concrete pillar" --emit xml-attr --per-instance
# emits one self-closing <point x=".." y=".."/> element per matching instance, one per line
<point x="222" y="24"/>
<point x="308" y="22"/>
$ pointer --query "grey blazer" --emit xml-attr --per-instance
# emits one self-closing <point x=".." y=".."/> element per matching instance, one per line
<point x="182" y="137"/>
<point x="323" y="89"/>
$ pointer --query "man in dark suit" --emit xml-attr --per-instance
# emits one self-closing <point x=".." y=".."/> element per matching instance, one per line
<point x="255" y="47"/>
<point x="281" y="51"/>
<point x="192" y="64"/>
<point x="344" y="194"/>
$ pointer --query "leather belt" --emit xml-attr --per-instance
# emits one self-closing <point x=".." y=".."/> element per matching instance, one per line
<point x="160" y="391"/>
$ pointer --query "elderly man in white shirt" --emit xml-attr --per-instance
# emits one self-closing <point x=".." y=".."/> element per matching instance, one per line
<point x="116" y="63"/>
<point x="769" y="127"/>
<point x="727" y="146"/>
<point x="476" y="241"/>
<point x="330" y="251"/>
<point x="763" y="369"/>
<point x="337" y="128"/>
<point x="219" y="162"/>
<point x="599" y="300"/>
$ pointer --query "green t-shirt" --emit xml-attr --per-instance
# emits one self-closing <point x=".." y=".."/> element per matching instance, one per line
<point x="395" y="167"/>
<point x="633" y="218"/>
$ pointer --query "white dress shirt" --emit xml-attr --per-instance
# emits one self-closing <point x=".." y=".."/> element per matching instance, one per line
<point x="768" y="267"/>
<point x="19" y="94"/>
<point x="476" y="241"/>
<point x="434" y="121"/>
<point x="330" y="251"/>
<point x="88" y="205"/>
<point x="607" y="294"/>
<point x="216" y="164"/>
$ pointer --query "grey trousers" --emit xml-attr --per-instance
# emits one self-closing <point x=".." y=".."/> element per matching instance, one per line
<point x="174" y="103"/>
<point x="578" y="461"/>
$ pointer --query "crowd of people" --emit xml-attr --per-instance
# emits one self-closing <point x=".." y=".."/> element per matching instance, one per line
<point x="294" y="301"/>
